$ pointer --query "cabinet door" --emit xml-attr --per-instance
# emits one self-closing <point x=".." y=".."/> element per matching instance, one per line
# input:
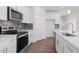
<point x="59" y="44"/>
<point x="3" y="12"/>
<point x="8" y="45"/>
<point x="28" y="13"/>
<point x="4" y="47"/>
<point x="25" y="11"/>
<point x="12" y="46"/>
<point x="68" y="48"/>
<point x="31" y="14"/>
<point x="30" y="37"/>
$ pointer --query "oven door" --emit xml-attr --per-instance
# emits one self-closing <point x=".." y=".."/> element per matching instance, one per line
<point x="22" y="42"/>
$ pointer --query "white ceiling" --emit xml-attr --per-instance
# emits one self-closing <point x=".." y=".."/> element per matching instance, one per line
<point x="61" y="10"/>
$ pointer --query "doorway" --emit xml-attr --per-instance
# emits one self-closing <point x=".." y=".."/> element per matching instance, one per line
<point x="50" y="26"/>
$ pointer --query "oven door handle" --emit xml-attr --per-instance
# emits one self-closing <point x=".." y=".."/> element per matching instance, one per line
<point x="23" y="35"/>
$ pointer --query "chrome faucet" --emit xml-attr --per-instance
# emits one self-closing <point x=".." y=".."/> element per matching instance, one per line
<point x="72" y="27"/>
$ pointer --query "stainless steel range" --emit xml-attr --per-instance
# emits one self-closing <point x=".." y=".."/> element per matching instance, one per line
<point x="22" y="36"/>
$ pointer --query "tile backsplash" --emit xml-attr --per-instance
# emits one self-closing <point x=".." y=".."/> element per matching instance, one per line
<point x="25" y="26"/>
<point x="8" y="23"/>
<point x="20" y="25"/>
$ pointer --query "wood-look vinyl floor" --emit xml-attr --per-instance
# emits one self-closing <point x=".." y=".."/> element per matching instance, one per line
<point x="41" y="46"/>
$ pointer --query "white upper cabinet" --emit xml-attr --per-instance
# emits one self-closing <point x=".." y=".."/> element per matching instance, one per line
<point x="31" y="14"/>
<point x="25" y="10"/>
<point x="3" y="12"/>
<point x="27" y="13"/>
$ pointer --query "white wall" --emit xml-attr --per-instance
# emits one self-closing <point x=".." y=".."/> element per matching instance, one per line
<point x="64" y="20"/>
<point x="74" y="18"/>
<point x="54" y="15"/>
<point x="35" y="15"/>
<point x="71" y="18"/>
<point x="39" y="24"/>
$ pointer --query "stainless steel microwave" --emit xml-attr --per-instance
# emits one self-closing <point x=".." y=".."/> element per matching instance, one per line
<point x="13" y="14"/>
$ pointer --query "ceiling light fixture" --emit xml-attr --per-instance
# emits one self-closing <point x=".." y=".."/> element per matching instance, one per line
<point x="68" y="11"/>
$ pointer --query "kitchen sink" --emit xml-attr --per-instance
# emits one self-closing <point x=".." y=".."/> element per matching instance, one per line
<point x="68" y="34"/>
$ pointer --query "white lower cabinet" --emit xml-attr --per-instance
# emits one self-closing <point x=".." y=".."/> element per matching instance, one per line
<point x="30" y="37"/>
<point x="68" y="48"/>
<point x="63" y="46"/>
<point x="8" y="45"/>
<point x="4" y="47"/>
<point x="12" y="46"/>
<point x="59" y="44"/>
